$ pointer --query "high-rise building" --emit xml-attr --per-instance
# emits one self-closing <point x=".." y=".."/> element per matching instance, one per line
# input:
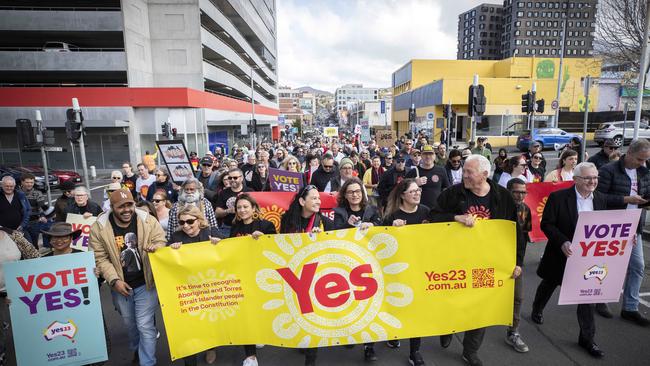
<point x="134" y="65"/>
<point x="479" y="33"/>
<point x="526" y="28"/>
<point x="534" y="28"/>
<point x="352" y="94"/>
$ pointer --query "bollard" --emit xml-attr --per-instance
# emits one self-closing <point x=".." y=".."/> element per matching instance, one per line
<point x="93" y="172"/>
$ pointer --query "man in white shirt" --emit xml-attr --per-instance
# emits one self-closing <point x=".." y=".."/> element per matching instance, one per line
<point x="144" y="181"/>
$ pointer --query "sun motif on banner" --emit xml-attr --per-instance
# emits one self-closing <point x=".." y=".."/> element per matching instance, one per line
<point x="273" y="214"/>
<point x="336" y="254"/>
<point x="215" y="313"/>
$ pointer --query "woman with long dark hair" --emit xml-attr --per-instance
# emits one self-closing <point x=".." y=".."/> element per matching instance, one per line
<point x="260" y="180"/>
<point x="499" y="162"/>
<point x="353" y="209"/>
<point x="404" y="208"/>
<point x="515" y="167"/>
<point x="248" y="221"/>
<point x="303" y="216"/>
<point x="564" y="171"/>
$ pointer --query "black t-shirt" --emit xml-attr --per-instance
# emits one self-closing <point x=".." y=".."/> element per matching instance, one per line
<point x="241" y="229"/>
<point x="204" y="235"/>
<point x="126" y="240"/>
<point x="129" y="182"/>
<point x="420" y="216"/>
<point x="226" y="199"/>
<point x="479" y="206"/>
<point x="437" y="181"/>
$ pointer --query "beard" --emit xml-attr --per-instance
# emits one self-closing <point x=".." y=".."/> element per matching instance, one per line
<point x="190" y="198"/>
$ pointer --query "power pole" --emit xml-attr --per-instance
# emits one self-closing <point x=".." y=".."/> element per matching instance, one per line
<point x="82" y="146"/>
<point x="584" y="122"/>
<point x="642" y="67"/>
<point x="40" y="139"/>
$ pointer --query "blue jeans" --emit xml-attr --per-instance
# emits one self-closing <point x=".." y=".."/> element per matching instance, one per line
<point x="634" y="277"/>
<point x="138" y="310"/>
<point x="34" y="229"/>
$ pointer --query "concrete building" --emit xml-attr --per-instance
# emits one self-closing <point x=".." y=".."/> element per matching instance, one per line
<point x="479" y="33"/>
<point x="133" y="65"/>
<point x="371" y="111"/>
<point x="430" y="84"/>
<point x="534" y="28"/>
<point x="350" y="94"/>
<point x="297" y="105"/>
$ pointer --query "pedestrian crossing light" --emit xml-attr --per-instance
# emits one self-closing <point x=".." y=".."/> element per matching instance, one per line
<point x="526" y="102"/>
<point x="165" y="129"/>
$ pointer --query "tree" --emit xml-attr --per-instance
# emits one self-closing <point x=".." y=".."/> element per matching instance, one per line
<point x="620" y="29"/>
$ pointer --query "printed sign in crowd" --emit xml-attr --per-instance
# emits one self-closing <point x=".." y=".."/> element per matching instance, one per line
<point x="78" y="222"/>
<point x="339" y="287"/>
<point x="55" y="310"/>
<point x="285" y="181"/>
<point x="274" y="205"/>
<point x="601" y="248"/>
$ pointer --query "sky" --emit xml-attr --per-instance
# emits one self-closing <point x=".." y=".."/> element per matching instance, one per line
<point x="327" y="43"/>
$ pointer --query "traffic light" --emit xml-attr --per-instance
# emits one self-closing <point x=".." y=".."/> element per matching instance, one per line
<point x="412" y="113"/>
<point x="25" y="132"/>
<point x="254" y="125"/>
<point x="445" y="111"/>
<point x="174" y="131"/>
<point x="73" y="129"/>
<point x="540" y="106"/>
<point x="476" y="101"/>
<point x="526" y="102"/>
<point x="165" y="130"/>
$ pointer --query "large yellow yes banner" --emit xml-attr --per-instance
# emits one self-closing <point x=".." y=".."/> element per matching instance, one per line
<point x="339" y="287"/>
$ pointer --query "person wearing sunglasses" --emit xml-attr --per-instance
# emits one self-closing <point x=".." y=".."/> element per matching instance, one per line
<point x="112" y="187"/>
<point x="162" y="183"/>
<point x="515" y="167"/>
<point x="303" y="216"/>
<point x="536" y="169"/>
<point x="225" y="202"/>
<point x="326" y="177"/>
<point x="291" y="164"/>
<point x="208" y="177"/>
<point x="603" y="156"/>
<point x="129" y="178"/>
<point x="454" y="167"/>
<point x="190" y="194"/>
<point x="260" y="179"/>
<point x="194" y="228"/>
<point x="161" y="207"/>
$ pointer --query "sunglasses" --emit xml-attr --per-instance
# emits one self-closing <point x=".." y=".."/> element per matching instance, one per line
<point x="189" y="222"/>
<point x="160" y="175"/>
<point x="537" y="157"/>
<point x="234" y="178"/>
<point x="157" y="201"/>
<point x="328" y="166"/>
<point x="116" y="178"/>
<point x="308" y="188"/>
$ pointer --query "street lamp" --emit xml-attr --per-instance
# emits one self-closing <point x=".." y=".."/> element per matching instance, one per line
<point x="253" y="124"/>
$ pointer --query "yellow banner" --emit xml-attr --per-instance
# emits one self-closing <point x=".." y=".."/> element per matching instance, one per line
<point x="339" y="287"/>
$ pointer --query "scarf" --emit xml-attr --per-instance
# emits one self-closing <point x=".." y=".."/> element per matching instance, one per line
<point x="376" y="174"/>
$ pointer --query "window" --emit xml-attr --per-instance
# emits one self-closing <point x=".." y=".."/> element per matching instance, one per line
<point x="482" y="17"/>
<point x="518" y="42"/>
<point x="481" y="26"/>
<point x="517" y="24"/>
<point x="527" y="42"/>
<point x="520" y="14"/>
<point x="520" y="4"/>
<point x="582" y="52"/>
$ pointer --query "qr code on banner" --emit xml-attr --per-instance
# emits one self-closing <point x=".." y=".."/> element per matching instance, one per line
<point x="483" y="277"/>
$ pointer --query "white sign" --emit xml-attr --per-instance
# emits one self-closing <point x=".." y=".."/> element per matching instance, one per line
<point x="430" y="116"/>
<point x="53" y="148"/>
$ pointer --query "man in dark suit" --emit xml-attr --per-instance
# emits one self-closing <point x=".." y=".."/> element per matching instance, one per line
<point x="559" y="223"/>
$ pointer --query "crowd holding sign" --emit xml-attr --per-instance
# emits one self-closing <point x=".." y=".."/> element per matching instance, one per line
<point x="80" y="223"/>
<point x="285" y="181"/>
<point x="601" y="247"/>
<point x="273" y="205"/>
<point x="388" y="283"/>
<point x="56" y="310"/>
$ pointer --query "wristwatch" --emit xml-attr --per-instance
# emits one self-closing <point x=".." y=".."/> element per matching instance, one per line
<point x="112" y="283"/>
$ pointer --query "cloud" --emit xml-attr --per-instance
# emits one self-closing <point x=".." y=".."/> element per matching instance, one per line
<point x="325" y="44"/>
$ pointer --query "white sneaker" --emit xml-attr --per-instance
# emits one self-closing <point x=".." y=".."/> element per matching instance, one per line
<point x="514" y="340"/>
<point x="250" y="361"/>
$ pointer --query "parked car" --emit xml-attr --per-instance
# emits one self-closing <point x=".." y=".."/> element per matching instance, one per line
<point x="61" y="175"/>
<point x="58" y="47"/>
<point x="547" y="137"/>
<point x="39" y="181"/>
<point x="614" y="131"/>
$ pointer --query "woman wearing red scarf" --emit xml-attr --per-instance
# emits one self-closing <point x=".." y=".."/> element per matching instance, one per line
<point x="371" y="179"/>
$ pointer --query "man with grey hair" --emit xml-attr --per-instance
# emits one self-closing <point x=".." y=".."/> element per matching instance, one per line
<point x="626" y="183"/>
<point x="14" y="206"/>
<point x="190" y="193"/>
<point x="477" y="198"/>
<point x="559" y="224"/>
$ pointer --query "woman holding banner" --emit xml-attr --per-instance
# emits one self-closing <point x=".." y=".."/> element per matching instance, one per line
<point x="303" y="216"/>
<point x="248" y="221"/>
<point x="353" y="208"/>
<point x="194" y="228"/>
<point x="404" y="208"/>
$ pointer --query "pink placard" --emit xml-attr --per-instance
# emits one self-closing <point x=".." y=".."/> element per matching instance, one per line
<point x="601" y="246"/>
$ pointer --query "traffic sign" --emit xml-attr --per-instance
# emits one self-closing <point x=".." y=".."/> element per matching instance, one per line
<point x="555" y="104"/>
<point x="430" y="116"/>
<point x="53" y="148"/>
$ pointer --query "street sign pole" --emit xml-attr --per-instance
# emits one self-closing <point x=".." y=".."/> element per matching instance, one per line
<point x="474" y="114"/>
<point x="40" y="138"/>
<point x="643" y="65"/>
<point x="448" y="142"/>
<point x="584" y="122"/>
<point x="82" y="146"/>
<point x="625" y="107"/>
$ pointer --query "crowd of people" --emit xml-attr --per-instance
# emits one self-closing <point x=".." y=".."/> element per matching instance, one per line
<point x="411" y="182"/>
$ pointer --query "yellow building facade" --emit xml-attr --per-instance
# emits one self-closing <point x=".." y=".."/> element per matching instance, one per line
<point x="431" y="84"/>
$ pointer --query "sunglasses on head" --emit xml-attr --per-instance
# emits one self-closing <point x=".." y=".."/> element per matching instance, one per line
<point x="308" y="188"/>
<point x="189" y="222"/>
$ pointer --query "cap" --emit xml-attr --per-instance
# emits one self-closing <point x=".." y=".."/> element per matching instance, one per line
<point x="399" y="159"/>
<point x="609" y="143"/>
<point x="206" y="160"/>
<point x="415" y="152"/>
<point x="428" y="149"/>
<point x="68" y="185"/>
<point x="345" y="161"/>
<point x="466" y="153"/>
<point x="482" y="138"/>
<point x="535" y="144"/>
<point x="120" y="197"/>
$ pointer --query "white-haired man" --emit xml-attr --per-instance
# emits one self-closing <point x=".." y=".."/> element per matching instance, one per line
<point x="82" y="205"/>
<point x="559" y="224"/>
<point x="14" y="206"/>
<point x="190" y="193"/>
<point x="477" y="198"/>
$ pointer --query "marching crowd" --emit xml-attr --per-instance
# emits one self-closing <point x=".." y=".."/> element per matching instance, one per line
<point x="411" y="182"/>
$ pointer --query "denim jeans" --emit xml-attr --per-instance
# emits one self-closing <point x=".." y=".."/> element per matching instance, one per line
<point x="634" y="277"/>
<point x="138" y="310"/>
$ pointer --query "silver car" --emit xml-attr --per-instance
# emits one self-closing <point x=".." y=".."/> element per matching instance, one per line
<point x="614" y="131"/>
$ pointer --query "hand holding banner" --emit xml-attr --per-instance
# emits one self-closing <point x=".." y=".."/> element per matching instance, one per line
<point x="601" y="246"/>
<point x="285" y="181"/>
<point x="81" y="223"/>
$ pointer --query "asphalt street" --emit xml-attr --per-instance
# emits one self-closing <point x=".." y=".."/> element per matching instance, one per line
<point x="553" y="343"/>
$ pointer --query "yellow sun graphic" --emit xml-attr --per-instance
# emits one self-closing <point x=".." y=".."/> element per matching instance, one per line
<point x="354" y="321"/>
<point x="274" y="214"/>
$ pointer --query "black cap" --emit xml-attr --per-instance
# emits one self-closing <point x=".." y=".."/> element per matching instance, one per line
<point x="68" y="185"/>
<point x="206" y="160"/>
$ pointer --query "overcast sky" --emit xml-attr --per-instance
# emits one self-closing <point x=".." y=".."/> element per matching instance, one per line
<point x="327" y="43"/>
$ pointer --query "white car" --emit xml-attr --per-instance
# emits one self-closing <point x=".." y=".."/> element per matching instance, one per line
<point x="58" y="47"/>
<point x="614" y="131"/>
